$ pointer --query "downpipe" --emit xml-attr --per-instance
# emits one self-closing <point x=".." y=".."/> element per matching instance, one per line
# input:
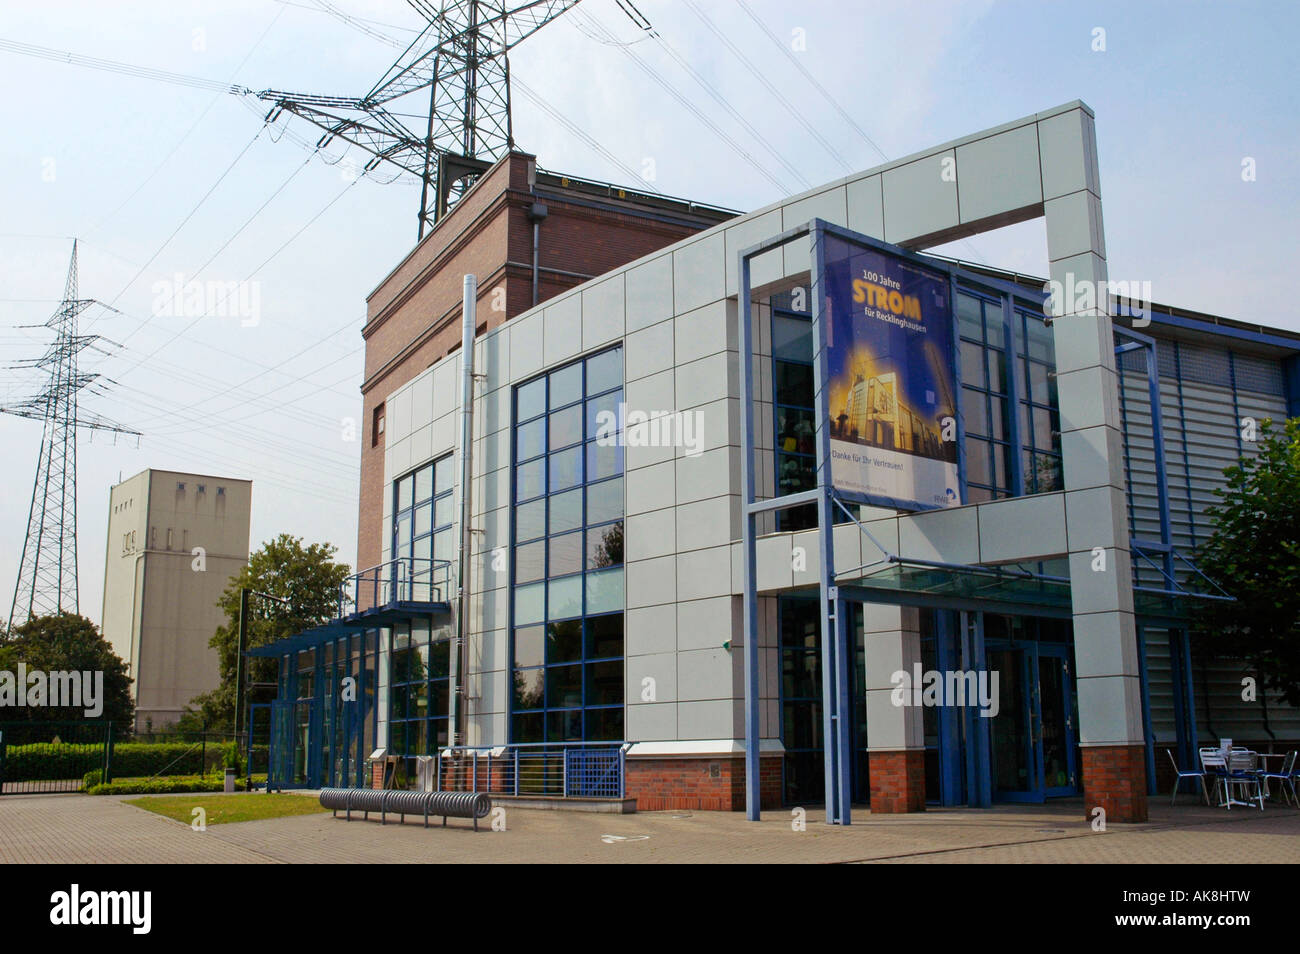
<point x="469" y="310"/>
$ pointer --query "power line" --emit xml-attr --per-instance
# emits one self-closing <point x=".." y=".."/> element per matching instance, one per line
<point x="722" y="101"/>
<point x="190" y="215"/>
<point x="239" y="231"/>
<point x="193" y="126"/>
<point x="672" y="91"/>
<point x="292" y="379"/>
<point x="832" y="100"/>
<point x="768" y="85"/>
<point x="811" y="79"/>
<point x="254" y="272"/>
<point x="116" y="66"/>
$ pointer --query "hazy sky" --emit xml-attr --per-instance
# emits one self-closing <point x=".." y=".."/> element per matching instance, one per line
<point x="158" y="179"/>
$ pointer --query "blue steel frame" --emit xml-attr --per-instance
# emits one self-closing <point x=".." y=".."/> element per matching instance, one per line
<point x="1028" y="655"/>
<point x="544" y="375"/>
<point x="836" y="653"/>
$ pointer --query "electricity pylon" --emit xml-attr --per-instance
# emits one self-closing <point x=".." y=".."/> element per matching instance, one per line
<point x="461" y="58"/>
<point x="47" y="571"/>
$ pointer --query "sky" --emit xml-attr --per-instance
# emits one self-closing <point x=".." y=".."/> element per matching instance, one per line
<point x="159" y="179"/>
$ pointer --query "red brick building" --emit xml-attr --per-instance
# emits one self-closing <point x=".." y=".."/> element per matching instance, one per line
<point x="527" y="235"/>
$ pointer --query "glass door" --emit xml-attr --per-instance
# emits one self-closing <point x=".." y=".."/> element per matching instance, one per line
<point x="1033" y="735"/>
<point x="1055" y="742"/>
<point x="1012" y="730"/>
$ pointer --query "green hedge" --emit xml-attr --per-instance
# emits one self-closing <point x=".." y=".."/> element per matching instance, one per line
<point x="163" y="786"/>
<point x="130" y="759"/>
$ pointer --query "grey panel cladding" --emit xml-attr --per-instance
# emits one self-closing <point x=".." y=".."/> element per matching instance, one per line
<point x="1229" y="716"/>
<point x="1201" y="414"/>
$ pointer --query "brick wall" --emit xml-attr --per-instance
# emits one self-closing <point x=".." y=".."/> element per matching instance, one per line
<point x="897" y="781"/>
<point x="699" y="784"/>
<point x="1115" y="778"/>
<point x="413" y="316"/>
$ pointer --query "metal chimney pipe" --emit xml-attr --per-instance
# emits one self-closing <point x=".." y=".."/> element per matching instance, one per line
<point x="469" y="312"/>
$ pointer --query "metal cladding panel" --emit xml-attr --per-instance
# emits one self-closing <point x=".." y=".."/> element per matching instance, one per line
<point x="1229" y="716"/>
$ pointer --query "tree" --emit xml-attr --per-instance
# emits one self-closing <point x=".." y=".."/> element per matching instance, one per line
<point x="308" y="578"/>
<point x="1254" y="554"/>
<point x="65" y="642"/>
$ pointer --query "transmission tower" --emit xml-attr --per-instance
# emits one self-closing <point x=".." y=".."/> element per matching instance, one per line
<point x="461" y="58"/>
<point x="47" y="572"/>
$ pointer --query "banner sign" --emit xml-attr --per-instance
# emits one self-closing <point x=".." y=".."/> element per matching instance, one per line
<point x="891" y="387"/>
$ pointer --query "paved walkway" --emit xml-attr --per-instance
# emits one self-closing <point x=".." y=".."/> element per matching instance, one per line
<point x="85" y="829"/>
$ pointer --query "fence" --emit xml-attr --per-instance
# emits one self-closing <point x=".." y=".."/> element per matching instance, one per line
<point x="56" y="756"/>
<point x="187" y="752"/>
<point x="569" y="770"/>
<point x="40" y="757"/>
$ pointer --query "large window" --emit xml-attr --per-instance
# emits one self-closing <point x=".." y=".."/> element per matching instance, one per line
<point x="1040" y="419"/>
<point x="801" y="699"/>
<point x="423" y="508"/>
<point x="418" y="695"/>
<point x="419" y="665"/>
<point x="793" y="414"/>
<point x="982" y="335"/>
<point x="567" y="589"/>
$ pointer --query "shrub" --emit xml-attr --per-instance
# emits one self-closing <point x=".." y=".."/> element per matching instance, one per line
<point x="130" y="759"/>
<point x="166" y="785"/>
<point x="230" y="757"/>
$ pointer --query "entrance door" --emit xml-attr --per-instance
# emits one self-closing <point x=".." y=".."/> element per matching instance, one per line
<point x="1032" y="736"/>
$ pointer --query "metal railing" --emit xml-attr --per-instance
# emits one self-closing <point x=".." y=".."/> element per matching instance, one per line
<point x="540" y="769"/>
<point x="400" y="580"/>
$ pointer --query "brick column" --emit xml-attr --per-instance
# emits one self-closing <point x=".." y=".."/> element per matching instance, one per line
<point x="897" y="781"/>
<point x="895" y="733"/>
<point x="1115" y="779"/>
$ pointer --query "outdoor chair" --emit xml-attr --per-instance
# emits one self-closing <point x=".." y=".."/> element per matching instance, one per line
<point x="1243" y="773"/>
<point x="1182" y="774"/>
<point x="1215" y="764"/>
<point x="1286" y="777"/>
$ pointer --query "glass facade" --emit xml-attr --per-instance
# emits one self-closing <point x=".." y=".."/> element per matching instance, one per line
<point x="567" y="609"/>
<point x="419" y="668"/>
<point x="423" y="509"/>
<point x="330" y="731"/>
<point x="1040" y="418"/>
<point x="981" y="333"/>
<point x="801" y="699"/>
<point x="418" y="695"/>
<point x="792" y="412"/>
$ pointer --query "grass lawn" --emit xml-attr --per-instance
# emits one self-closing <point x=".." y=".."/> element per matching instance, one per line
<point x="242" y="807"/>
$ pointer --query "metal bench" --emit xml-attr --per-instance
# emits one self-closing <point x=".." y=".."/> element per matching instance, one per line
<point x="472" y="805"/>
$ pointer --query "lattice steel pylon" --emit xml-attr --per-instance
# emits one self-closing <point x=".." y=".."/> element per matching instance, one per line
<point x="461" y="58"/>
<point x="47" y="571"/>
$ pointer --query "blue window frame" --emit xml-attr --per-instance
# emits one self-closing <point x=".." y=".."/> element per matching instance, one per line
<point x="423" y="510"/>
<point x="418" y="695"/>
<point x="419" y="664"/>
<point x="567" y="573"/>
<point x="801" y="699"/>
<point x="981" y="333"/>
<point x="793" y="414"/>
<point x="1040" y="418"/>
